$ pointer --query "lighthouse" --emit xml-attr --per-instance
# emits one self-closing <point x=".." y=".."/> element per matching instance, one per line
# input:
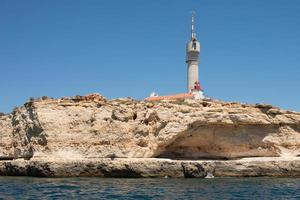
<point x="194" y="90"/>
<point x="192" y="60"/>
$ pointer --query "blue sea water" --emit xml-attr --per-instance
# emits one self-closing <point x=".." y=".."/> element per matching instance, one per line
<point x="115" y="188"/>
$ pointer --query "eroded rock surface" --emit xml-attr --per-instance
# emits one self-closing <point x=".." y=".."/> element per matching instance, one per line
<point x="151" y="167"/>
<point x="93" y="127"/>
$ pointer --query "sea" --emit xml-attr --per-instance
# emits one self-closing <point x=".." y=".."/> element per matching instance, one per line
<point x="156" y="188"/>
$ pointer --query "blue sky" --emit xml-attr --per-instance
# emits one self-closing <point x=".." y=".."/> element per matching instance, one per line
<point x="250" y="49"/>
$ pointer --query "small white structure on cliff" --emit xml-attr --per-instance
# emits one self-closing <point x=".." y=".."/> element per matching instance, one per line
<point x="194" y="90"/>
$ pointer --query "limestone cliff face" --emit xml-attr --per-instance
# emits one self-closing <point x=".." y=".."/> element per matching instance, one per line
<point x="93" y="127"/>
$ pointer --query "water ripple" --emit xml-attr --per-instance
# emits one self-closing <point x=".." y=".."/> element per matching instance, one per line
<point x="110" y="188"/>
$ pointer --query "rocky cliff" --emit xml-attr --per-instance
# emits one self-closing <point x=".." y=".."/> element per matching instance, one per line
<point x="92" y="127"/>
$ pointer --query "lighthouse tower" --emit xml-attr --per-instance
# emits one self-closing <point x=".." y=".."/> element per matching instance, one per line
<point x="192" y="60"/>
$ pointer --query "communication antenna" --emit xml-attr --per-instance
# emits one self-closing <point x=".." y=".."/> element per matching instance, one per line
<point x="193" y="33"/>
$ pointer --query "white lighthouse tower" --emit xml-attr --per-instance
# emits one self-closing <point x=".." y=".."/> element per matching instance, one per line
<point x="192" y="60"/>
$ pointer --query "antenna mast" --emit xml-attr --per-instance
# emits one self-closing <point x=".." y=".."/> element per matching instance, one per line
<point x="193" y="33"/>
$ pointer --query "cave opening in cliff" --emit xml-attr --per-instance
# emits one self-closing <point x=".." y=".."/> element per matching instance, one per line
<point x="221" y="142"/>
